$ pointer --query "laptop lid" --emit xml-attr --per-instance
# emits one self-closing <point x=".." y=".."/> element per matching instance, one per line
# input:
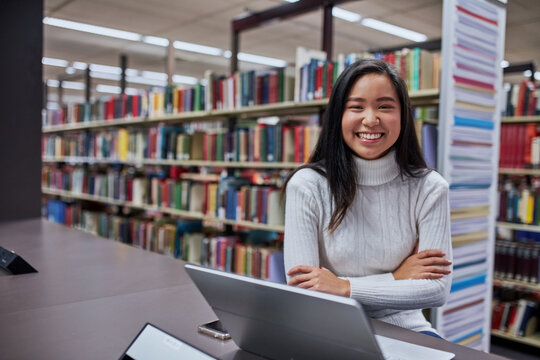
<point x="284" y="322"/>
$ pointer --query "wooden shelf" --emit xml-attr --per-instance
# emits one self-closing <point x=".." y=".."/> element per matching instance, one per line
<point x="175" y="212"/>
<point x="185" y="163"/>
<point x="509" y="171"/>
<point x="533" y="340"/>
<point x="513" y="226"/>
<point x="515" y="283"/>
<point x="520" y="119"/>
<point x="418" y="98"/>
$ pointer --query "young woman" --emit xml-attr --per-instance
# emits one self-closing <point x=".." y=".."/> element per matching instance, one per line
<point x="365" y="218"/>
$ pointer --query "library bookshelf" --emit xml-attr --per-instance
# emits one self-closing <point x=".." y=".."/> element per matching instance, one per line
<point x="418" y="98"/>
<point x="506" y="173"/>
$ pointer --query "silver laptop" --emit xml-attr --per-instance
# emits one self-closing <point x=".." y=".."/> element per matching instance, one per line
<point x="278" y="321"/>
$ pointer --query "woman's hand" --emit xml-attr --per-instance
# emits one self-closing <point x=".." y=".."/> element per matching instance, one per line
<point x="319" y="279"/>
<point x="427" y="264"/>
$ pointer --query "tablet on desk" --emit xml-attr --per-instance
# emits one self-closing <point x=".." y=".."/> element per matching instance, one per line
<point x="152" y="343"/>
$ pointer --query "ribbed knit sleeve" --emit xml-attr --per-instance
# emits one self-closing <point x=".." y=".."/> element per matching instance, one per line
<point x="302" y="219"/>
<point x="382" y="291"/>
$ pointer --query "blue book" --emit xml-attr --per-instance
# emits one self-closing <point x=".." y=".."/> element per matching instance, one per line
<point x="429" y="144"/>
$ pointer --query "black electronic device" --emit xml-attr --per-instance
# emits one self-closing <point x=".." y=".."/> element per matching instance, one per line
<point x="13" y="263"/>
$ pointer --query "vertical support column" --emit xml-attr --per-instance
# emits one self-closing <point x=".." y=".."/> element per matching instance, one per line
<point x="123" y="66"/>
<point x="88" y="85"/>
<point x="235" y="43"/>
<point x="328" y="30"/>
<point x="171" y="64"/>
<point x="60" y="93"/>
<point x="21" y="41"/>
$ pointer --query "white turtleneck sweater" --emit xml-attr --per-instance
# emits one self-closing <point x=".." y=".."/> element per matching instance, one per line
<point x="379" y="231"/>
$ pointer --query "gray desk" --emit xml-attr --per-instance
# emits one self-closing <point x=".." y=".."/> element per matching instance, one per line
<point x="92" y="296"/>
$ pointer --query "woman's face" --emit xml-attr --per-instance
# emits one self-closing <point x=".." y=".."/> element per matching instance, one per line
<point x="371" y="122"/>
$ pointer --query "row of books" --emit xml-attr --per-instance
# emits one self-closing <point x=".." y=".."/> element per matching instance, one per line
<point x="233" y="198"/>
<point x="520" y="146"/>
<point x="183" y="239"/>
<point x="521" y="99"/>
<point x="314" y="75"/>
<point x="519" y="199"/>
<point x="517" y="261"/>
<point x="515" y="312"/>
<point x="256" y="142"/>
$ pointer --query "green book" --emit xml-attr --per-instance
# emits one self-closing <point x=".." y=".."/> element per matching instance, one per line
<point x="177" y="195"/>
<point x="219" y="146"/>
<point x="281" y="85"/>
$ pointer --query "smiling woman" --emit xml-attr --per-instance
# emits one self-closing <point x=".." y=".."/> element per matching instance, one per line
<point x="365" y="218"/>
<point x="372" y="119"/>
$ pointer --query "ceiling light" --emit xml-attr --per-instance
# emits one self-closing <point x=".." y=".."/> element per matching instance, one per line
<point x="537" y="75"/>
<point x="105" y="69"/>
<point x="145" y="81"/>
<point x="181" y="79"/>
<point x="505" y="64"/>
<point x="394" y="30"/>
<point x="346" y="15"/>
<point x="73" y="85"/>
<point x="80" y="65"/>
<point x="527" y="73"/>
<point x="132" y="72"/>
<point x="70" y="70"/>
<point x="261" y="60"/>
<point x="201" y="49"/>
<point x="52" y="83"/>
<point x="93" y="29"/>
<point x="154" y="40"/>
<point x="154" y="75"/>
<point x="54" y="62"/>
<point x="108" y="89"/>
<point x="104" y="75"/>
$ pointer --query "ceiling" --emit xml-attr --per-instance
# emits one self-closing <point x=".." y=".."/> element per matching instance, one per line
<point x="208" y="22"/>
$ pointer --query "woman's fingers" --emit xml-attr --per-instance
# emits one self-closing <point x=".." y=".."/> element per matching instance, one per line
<point x="300" y="269"/>
<point x="430" y="253"/>
<point x="435" y="261"/>
<point x="428" y="275"/>
<point x="300" y="279"/>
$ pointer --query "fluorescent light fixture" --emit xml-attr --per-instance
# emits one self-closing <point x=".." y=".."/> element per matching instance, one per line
<point x="393" y="29"/>
<point x="105" y="69"/>
<point x="181" y="79"/>
<point x="227" y="53"/>
<point x="52" y="83"/>
<point x="154" y="75"/>
<point x="505" y="64"/>
<point x="79" y="65"/>
<point x="73" y="85"/>
<point x="261" y="60"/>
<point x="154" y="40"/>
<point x="132" y="91"/>
<point x="132" y="72"/>
<point x="70" y="70"/>
<point x="346" y="15"/>
<point x="145" y="81"/>
<point x="54" y="62"/>
<point x="527" y="73"/>
<point x="108" y="89"/>
<point x="104" y="75"/>
<point x="201" y="49"/>
<point x="537" y="75"/>
<point x="93" y="29"/>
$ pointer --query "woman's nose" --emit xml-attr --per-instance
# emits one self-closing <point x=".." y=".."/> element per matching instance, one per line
<point x="370" y="118"/>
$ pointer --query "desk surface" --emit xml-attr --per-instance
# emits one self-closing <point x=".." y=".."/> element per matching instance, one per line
<point x="91" y="297"/>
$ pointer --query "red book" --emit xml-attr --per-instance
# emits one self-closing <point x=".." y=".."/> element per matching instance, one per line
<point x="109" y="109"/>
<point x="329" y="79"/>
<point x="258" y="90"/>
<point x="130" y="189"/>
<point x="318" y="82"/>
<point x="259" y="205"/>
<point x="152" y="137"/>
<point x="299" y="143"/>
<point x="497" y="315"/>
<point x="124" y="105"/>
<point x="273" y="88"/>
<point x="135" y="105"/>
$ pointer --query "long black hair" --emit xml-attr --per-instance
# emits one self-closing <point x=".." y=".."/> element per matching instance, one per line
<point x="332" y="157"/>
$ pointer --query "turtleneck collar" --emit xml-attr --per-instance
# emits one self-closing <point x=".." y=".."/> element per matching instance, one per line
<point x="378" y="171"/>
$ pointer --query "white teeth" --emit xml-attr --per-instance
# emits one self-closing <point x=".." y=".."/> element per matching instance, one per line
<point x="369" y="136"/>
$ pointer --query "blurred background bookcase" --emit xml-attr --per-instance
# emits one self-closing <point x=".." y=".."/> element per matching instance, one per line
<point x="516" y="270"/>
